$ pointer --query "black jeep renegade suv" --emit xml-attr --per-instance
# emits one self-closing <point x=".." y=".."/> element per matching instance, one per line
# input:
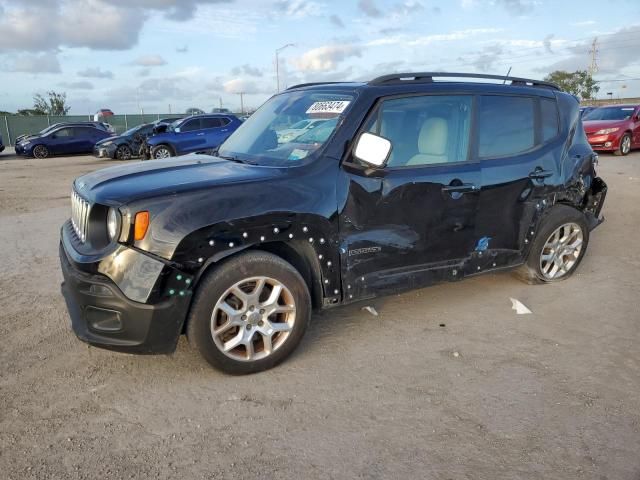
<point x="407" y="180"/>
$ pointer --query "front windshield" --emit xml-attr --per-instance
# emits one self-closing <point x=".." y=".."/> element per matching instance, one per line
<point x="133" y="130"/>
<point x="172" y="126"/>
<point x="262" y="139"/>
<point x="610" y="113"/>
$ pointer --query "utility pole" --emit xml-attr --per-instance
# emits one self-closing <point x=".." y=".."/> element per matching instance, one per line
<point x="278" y="50"/>
<point x="241" y="102"/>
<point x="593" y="67"/>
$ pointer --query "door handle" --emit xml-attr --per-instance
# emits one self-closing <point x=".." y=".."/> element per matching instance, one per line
<point x="224" y="130"/>
<point x="539" y="173"/>
<point x="459" y="188"/>
<point x="199" y="134"/>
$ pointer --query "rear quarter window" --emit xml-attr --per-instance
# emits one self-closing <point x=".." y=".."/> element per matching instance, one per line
<point x="549" y="117"/>
<point x="506" y="125"/>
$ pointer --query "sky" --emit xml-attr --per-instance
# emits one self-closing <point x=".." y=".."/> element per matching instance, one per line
<point x="169" y="55"/>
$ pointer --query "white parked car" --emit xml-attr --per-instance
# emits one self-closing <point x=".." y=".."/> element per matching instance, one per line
<point x="297" y="129"/>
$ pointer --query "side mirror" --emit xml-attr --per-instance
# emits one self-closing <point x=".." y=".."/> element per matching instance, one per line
<point x="54" y="136"/>
<point x="372" y="150"/>
<point x="177" y="129"/>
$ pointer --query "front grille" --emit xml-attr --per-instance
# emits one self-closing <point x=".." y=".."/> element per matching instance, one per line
<point x="80" y="209"/>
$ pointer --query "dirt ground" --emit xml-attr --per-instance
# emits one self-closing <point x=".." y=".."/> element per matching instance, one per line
<point x="489" y="395"/>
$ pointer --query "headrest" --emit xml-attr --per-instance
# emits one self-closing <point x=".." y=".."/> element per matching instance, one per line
<point x="433" y="136"/>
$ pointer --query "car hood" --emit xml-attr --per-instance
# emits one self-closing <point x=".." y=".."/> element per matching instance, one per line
<point x="26" y="138"/>
<point x="111" y="139"/>
<point x="592" y="126"/>
<point x="123" y="184"/>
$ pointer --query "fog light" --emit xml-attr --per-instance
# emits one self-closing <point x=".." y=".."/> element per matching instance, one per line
<point x="103" y="320"/>
<point x="100" y="291"/>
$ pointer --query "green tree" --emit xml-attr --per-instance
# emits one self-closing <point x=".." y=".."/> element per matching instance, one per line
<point x="55" y="104"/>
<point x="579" y="83"/>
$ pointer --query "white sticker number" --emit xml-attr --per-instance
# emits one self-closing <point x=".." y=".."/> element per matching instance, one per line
<point x="337" y="107"/>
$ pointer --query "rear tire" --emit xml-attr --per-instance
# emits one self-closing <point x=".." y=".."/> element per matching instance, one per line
<point x="558" y="248"/>
<point x="250" y="313"/>
<point x="162" y="151"/>
<point x="40" y="151"/>
<point x="625" y="146"/>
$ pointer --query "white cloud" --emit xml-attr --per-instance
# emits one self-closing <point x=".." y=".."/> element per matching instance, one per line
<point x="37" y="63"/>
<point x="243" y="85"/>
<point x="326" y="57"/>
<point x="81" y="85"/>
<point x="299" y="8"/>
<point x="584" y="23"/>
<point x="453" y="36"/>
<point x="149" y="61"/>
<point x="95" y="73"/>
<point x="96" y="24"/>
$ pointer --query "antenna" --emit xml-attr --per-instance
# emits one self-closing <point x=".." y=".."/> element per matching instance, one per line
<point x="506" y="76"/>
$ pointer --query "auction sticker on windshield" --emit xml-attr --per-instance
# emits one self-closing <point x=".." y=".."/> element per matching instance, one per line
<point x="335" y="107"/>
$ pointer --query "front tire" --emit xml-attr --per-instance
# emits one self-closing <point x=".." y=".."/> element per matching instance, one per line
<point x="558" y="247"/>
<point x="162" y="151"/>
<point x="123" y="152"/>
<point x="625" y="145"/>
<point x="250" y="313"/>
<point x="40" y="151"/>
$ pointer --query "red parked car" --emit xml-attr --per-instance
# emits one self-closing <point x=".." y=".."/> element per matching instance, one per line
<point x="613" y="128"/>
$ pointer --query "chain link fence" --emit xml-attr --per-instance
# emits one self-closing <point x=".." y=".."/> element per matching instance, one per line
<point x="13" y="125"/>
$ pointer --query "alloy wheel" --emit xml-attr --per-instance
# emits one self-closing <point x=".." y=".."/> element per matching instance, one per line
<point x="561" y="251"/>
<point x="253" y="318"/>
<point x="40" y="151"/>
<point x="123" y="153"/>
<point x="625" y="147"/>
<point x="162" y="152"/>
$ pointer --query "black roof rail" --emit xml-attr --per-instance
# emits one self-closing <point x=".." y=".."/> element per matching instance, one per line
<point x="427" y="77"/>
<point x="311" y="84"/>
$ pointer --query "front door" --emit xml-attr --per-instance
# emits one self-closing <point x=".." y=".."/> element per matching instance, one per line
<point x="413" y="222"/>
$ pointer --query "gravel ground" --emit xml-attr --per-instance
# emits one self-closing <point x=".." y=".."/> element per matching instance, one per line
<point x="446" y="383"/>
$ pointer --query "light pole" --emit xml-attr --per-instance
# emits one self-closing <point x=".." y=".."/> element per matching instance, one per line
<point x="278" y="50"/>
<point x="241" y="102"/>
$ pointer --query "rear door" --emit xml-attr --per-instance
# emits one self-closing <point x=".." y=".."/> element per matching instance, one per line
<point x="412" y="223"/>
<point x="516" y="144"/>
<point x="213" y="127"/>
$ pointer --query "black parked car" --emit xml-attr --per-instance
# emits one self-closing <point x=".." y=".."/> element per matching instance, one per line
<point x="410" y="182"/>
<point x="125" y="146"/>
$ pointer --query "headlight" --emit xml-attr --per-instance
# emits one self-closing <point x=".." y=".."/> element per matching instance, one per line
<point x="25" y="143"/>
<point x="606" y="131"/>
<point x="113" y="224"/>
<point x="105" y="144"/>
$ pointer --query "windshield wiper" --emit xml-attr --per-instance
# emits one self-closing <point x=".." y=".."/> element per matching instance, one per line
<point x="235" y="159"/>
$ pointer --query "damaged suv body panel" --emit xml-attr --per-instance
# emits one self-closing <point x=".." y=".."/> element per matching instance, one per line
<point x="459" y="196"/>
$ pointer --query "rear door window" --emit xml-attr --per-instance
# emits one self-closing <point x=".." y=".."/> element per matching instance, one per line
<point x="211" y="122"/>
<point x="506" y="125"/>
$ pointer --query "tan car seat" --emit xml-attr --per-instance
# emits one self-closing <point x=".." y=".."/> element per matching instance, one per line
<point x="432" y="142"/>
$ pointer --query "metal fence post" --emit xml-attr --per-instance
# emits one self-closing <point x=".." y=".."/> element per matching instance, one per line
<point x="126" y="125"/>
<point x="48" y="121"/>
<point x="6" y="124"/>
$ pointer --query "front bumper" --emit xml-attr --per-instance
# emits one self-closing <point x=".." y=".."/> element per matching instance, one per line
<point x="19" y="149"/>
<point x="607" y="143"/>
<point x="103" y="316"/>
<point x="101" y="151"/>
